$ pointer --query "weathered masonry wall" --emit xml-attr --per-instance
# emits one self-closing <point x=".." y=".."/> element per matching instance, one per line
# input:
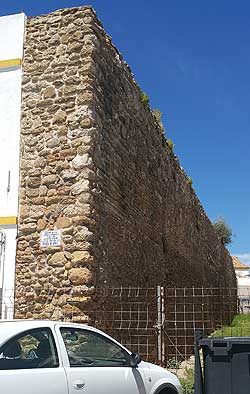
<point x="56" y="170"/>
<point x="152" y="228"/>
<point x="95" y="164"/>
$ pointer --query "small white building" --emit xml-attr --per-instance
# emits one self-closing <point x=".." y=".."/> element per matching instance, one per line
<point x="242" y="272"/>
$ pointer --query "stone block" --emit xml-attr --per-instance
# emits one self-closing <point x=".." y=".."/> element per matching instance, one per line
<point x="58" y="259"/>
<point x="49" y="92"/>
<point x="80" y="276"/>
<point x="81" y="256"/>
<point x="63" y="222"/>
<point x="80" y="187"/>
<point x="60" y="117"/>
<point x="68" y="175"/>
<point x="49" y="179"/>
<point x="41" y="224"/>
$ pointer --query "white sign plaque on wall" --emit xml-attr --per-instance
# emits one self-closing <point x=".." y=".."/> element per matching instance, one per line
<point x="50" y="238"/>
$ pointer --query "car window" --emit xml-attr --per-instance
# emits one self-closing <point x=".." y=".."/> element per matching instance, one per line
<point x="88" y="349"/>
<point x="31" y="349"/>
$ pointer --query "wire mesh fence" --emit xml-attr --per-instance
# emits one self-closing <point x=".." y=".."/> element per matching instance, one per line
<point x="190" y="309"/>
<point x="158" y="322"/>
<point x="130" y="316"/>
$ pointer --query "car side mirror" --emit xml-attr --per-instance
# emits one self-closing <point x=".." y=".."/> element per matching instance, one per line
<point x="135" y="359"/>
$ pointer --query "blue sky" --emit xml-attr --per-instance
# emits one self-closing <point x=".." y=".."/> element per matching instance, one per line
<point x="193" y="59"/>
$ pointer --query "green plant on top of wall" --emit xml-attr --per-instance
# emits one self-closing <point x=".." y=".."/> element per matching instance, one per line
<point x="158" y="116"/>
<point x="190" y="181"/>
<point x="198" y="224"/>
<point x="144" y="100"/>
<point x="223" y="231"/>
<point x="170" y="144"/>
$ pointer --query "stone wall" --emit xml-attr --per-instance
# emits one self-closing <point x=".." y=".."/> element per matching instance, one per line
<point x="57" y="177"/>
<point x="94" y="163"/>
<point x="151" y="226"/>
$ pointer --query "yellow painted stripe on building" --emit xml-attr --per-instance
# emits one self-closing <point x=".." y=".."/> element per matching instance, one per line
<point x="8" y="220"/>
<point x="10" y="63"/>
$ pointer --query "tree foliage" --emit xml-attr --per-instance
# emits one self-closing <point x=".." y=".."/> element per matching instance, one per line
<point x="223" y="231"/>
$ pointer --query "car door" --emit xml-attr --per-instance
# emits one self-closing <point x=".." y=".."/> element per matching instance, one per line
<point x="29" y="364"/>
<point x="96" y="364"/>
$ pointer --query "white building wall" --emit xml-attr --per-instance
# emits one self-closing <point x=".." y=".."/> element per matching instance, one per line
<point x="11" y="37"/>
<point x="10" y="112"/>
<point x="242" y="273"/>
<point x="12" y="29"/>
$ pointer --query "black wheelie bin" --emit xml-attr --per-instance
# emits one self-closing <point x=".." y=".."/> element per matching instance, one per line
<point x="225" y="365"/>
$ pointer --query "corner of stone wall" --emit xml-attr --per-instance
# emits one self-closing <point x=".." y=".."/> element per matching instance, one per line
<point x="57" y="174"/>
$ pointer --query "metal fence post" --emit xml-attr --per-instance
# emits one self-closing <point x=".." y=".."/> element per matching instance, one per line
<point x="162" y="327"/>
<point x="159" y="325"/>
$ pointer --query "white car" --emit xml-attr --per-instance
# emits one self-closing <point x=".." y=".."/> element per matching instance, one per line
<point x="48" y="357"/>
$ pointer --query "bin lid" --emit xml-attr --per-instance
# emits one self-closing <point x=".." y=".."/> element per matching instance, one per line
<point x="223" y="342"/>
<point x="235" y="340"/>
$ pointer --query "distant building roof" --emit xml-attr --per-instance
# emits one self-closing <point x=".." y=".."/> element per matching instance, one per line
<point x="238" y="265"/>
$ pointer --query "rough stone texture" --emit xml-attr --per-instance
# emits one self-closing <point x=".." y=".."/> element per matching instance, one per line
<point x="94" y="162"/>
<point x="57" y="180"/>
<point x="77" y="276"/>
<point x="151" y="226"/>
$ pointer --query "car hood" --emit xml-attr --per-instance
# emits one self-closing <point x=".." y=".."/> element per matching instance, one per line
<point x="156" y="369"/>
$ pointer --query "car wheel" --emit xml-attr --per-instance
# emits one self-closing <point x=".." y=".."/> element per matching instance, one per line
<point x="168" y="391"/>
